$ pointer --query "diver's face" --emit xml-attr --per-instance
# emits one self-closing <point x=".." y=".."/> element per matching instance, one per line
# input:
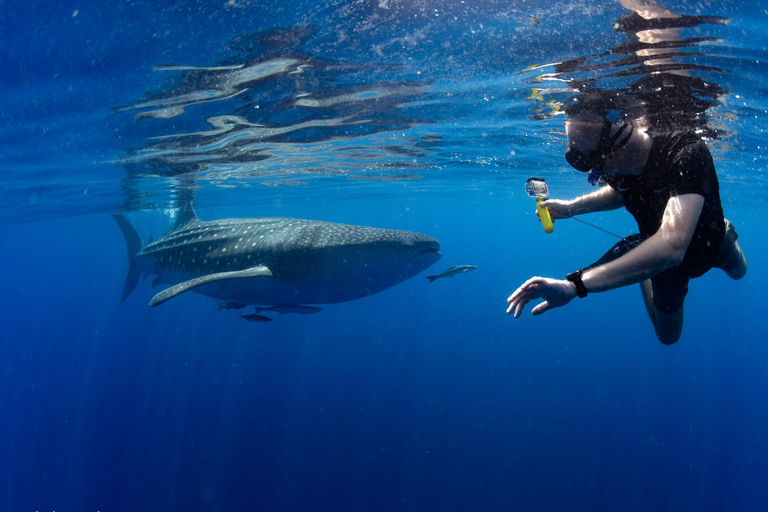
<point x="592" y="145"/>
<point x="583" y="136"/>
<point x="585" y="144"/>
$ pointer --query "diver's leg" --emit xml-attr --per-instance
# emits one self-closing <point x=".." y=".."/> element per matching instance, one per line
<point x="732" y="259"/>
<point x="669" y="326"/>
<point x="664" y="295"/>
<point x="733" y="262"/>
<point x="647" y="289"/>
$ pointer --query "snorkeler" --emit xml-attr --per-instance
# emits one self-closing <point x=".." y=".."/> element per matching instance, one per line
<point x="667" y="181"/>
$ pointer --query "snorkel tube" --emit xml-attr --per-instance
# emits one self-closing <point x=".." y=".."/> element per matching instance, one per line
<point x="594" y="176"/>
<point x="537" y="187"/>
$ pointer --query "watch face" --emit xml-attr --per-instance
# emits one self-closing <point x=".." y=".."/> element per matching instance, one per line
<point x="574" y="276"/>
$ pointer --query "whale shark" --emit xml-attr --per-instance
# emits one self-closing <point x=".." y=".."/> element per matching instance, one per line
<point x="274" y="261"/>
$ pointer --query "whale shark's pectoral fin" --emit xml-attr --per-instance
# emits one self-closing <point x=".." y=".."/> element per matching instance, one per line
<point x="169" y="293"/>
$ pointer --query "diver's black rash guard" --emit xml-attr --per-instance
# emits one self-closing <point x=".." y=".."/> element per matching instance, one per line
<point x="679" y="163"/>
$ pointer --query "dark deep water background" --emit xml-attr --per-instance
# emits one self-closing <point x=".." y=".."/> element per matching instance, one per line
<point x="423" y="397"/>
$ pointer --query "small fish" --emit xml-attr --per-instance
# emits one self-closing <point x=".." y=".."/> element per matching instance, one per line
<point x="455" y="270"/>
<point x="291" y="308"/>
<point x="253" y="317"/>
<point x="532" y="20"/>
<point x="231" y="305"/>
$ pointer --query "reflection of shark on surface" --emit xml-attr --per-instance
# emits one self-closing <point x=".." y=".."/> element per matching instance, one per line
<point x="275" y="261"/>
<point x="453" y="271"/>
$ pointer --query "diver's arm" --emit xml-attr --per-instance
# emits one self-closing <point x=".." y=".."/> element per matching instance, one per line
<point x="602" y="199"/>
<point x="664" y="249"/>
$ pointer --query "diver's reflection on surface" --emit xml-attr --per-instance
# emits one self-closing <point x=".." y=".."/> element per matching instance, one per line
<point x="657" y="73"/>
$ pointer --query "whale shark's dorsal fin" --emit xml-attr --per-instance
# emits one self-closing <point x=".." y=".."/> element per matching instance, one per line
<point x="185" y="215"/>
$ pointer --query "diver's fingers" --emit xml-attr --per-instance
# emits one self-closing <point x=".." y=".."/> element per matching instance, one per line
<point x="540" y="308"/>
<point x="555" y="207"/>
<point x="539" y="216"/>
<point x="520" y="307"/>
<point x="512" y="304"/>
<point x="517" y="307"/>
<point x="551" y="203"/>
<point x="528" y="288"/>
<point x="518" y="304"/>
<point x="523" y="295"/>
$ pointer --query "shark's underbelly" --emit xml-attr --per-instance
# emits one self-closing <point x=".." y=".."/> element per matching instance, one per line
<point x="325" y="284"/>
<point x="275" y="260"/>
<point x="276" y="291"/>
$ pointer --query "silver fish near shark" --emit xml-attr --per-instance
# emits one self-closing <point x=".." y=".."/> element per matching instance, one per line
<point x="453" y="271"/>
<point x="275" y="261"/>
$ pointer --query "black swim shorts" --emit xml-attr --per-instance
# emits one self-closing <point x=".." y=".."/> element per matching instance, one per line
<point x="669" y="287"/>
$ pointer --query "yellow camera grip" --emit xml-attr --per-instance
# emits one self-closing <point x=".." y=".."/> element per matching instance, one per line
<point x="546" y="219"/>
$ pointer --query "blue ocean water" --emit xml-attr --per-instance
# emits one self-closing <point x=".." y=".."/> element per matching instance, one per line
<point x="425" y="116"/>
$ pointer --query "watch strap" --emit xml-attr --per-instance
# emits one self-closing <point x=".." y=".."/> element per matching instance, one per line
<point x="575" y="278"/>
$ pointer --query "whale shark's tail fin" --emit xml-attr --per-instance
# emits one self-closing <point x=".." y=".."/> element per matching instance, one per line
<point x="134" y="244"/>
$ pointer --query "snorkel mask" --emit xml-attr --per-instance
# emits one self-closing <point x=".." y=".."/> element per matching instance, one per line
<point x="594" y="161"/>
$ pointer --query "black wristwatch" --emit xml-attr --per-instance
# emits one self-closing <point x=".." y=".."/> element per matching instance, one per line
<point x="575" y="278"/>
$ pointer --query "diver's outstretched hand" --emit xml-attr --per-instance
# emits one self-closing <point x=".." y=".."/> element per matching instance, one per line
<point x="555" y="292"/>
